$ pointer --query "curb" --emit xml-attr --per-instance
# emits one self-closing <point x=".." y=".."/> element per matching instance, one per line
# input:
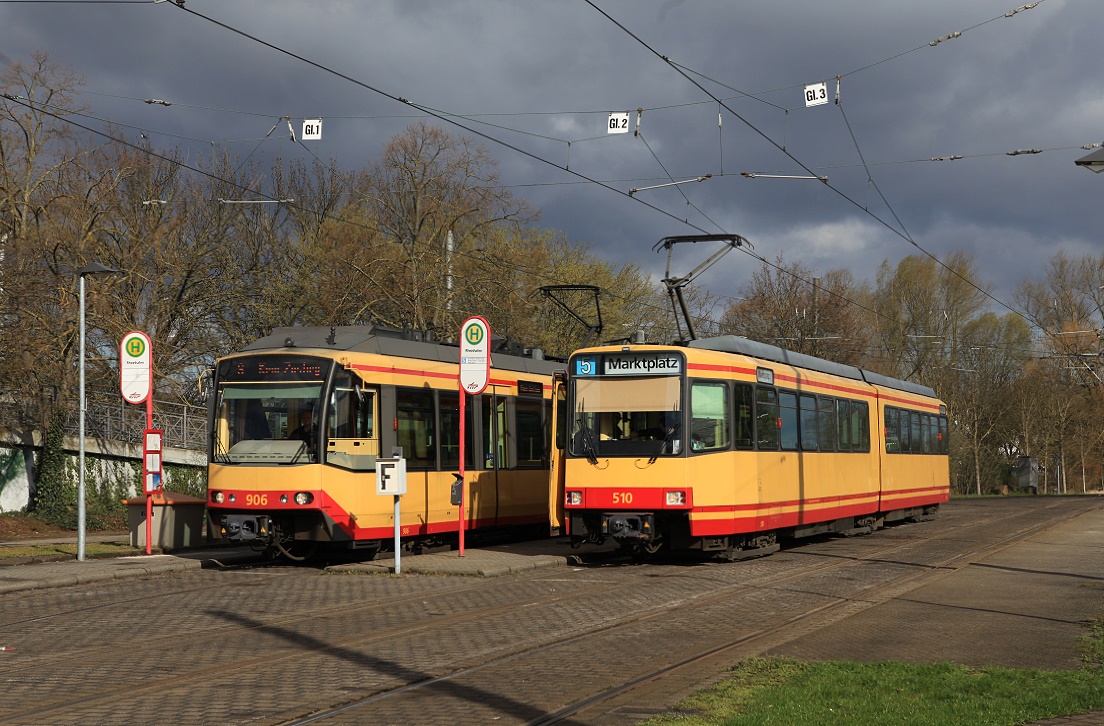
<point x="118" y="569"/>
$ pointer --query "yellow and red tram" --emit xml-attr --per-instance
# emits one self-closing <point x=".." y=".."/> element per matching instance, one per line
<point x="298" y="419"/>
<point x="727" y="445"/>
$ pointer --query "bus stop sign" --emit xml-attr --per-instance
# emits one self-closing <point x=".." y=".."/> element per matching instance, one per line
<point x="475" y="355"/>
<point x="135" y="367"/>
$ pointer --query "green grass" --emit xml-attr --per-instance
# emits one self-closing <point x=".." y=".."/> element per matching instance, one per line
<point x="54" y="550"/>
<point x="794" y="693"/>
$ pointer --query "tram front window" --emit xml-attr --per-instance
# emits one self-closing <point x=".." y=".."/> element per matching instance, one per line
<point x="267" y="423"/>
<point x="627" y="416"/>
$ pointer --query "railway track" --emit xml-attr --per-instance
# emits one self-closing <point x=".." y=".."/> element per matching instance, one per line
<point x="553" y="646"/>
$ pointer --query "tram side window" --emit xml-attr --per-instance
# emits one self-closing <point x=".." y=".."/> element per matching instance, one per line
<point x="530" y="435"/>
<point x="351" y="409"/>
<point x="808" y="420"/>
<point x="917" y="447"/>
<point x="766" y="418"/>
<point x="942" y="434"/>
<point x="450" y="432"/>
<point x="925" y="433"/>
<point x="787" y="413"/>
<point x="416" y="432"/>
<point x="892" y="431"/>
<point x="826" y="423"/>
<point x="843" y="424"/>
<point x="744" y="418"/>
<point x="708" y="416"/>
<point x="494" y="426"/>
<point x="903" y="432"/>
<point x="860" y="426"/>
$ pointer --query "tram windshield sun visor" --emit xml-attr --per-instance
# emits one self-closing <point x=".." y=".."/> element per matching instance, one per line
<point x="266" y="423"/>
<point x="627" y="416"/>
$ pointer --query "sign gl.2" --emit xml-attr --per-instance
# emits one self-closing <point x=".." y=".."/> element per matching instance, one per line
<point x="618" y="122"/>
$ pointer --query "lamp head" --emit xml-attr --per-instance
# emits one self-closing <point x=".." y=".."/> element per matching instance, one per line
<point x="1094" y="162"/>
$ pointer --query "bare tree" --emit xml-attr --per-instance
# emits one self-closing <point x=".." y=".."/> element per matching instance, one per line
<point x="427" y="185"/>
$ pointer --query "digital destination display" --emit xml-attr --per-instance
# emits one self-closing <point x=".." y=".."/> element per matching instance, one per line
<point x="629" y="365"/>
<point x="530" y="388"/>
<point x="260" y="368"/>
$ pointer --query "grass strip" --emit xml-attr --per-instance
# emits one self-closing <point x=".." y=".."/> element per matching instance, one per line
<point x="795" y="693"/>
<point x="47" y="550"/>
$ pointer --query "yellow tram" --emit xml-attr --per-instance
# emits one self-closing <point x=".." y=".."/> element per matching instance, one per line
<point x="727" y="445"/>
<point x="298" y="419"/>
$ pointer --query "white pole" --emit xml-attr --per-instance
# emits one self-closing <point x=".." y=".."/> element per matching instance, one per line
<point x="398" y="545"/>
<point x="80" y="435"/>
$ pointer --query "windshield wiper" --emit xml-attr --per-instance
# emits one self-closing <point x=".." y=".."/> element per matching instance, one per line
<point x="587" y="441"/>
<point x="663" y="444"/>
<point x="219" y="453"/>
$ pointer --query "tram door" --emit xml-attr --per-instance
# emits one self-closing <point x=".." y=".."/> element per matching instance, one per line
<point x="556" y="475"/>
<point x="494" y="449"/>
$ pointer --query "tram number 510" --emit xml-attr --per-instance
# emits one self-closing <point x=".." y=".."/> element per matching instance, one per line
<point x="622" y="497"/>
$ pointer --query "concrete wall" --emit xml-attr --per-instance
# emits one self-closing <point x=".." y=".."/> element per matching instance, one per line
<point x="105" y="462"/>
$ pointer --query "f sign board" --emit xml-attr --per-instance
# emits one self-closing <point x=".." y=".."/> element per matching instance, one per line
<point x="135" y="367"/>
<point x="475" y="355"/>
<point x="391" y="476"/>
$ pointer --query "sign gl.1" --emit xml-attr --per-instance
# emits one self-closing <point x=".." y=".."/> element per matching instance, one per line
<point x="312" y="129"/>
<point x="475" y="355"/>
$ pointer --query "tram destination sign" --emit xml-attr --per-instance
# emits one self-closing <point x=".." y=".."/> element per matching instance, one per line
<point x="273" y="368"/>
<point x="630" y="365"/>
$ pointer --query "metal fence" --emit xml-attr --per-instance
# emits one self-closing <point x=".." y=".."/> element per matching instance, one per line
<point x="110" y="418"/>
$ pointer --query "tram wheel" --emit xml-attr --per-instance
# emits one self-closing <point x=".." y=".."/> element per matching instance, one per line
<point x="297" y="551"/>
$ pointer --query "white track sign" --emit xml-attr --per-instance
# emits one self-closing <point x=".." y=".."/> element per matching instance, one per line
<point x="816" y="94"/>
<point x="618" y="122"/>
<point x="312" y="129"/>
<point x="475" y="355"/>
<point x="135" y="367"/>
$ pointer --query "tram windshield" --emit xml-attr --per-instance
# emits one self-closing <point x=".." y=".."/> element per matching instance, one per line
<point x="267" y="423"/>
<point x="627" y="416"/>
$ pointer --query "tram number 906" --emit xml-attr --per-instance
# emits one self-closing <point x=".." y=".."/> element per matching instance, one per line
<point x="622" y="497"/>
<point x="256" y="500"/>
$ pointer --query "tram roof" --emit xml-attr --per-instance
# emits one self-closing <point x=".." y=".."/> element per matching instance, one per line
<point x="755" y="349"/>
<point x="390" y="342"/>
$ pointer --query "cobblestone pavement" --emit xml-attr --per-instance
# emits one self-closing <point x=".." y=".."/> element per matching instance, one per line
<point x="275" y="644"/>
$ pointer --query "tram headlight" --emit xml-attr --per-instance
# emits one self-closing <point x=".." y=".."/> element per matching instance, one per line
<point x="233" y="498"/>
<point x="573" y="499"/>
<point x="303" y="498"/>
<point x="675" y="499"/>
<point x="218" y="497"/>
<point x="283" y="499"/>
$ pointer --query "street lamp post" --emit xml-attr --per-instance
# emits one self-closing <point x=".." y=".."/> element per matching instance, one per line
<point x="93" y="268"/>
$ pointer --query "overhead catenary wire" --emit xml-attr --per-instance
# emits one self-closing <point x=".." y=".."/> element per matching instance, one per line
<point x="536" y="273"/>
<point x="584" y="179"/>
<point x="839" y="192"/>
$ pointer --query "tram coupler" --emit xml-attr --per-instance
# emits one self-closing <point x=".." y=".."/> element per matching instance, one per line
<point x="629" y="527"/>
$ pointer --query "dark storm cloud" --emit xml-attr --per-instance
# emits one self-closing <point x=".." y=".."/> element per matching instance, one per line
<point x="555" y="69"/>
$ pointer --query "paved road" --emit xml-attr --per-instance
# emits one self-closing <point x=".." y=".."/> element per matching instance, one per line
<point x="274" y="645"/>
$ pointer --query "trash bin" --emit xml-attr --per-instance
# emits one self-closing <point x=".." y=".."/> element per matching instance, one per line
<point x="177" y="520"/>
